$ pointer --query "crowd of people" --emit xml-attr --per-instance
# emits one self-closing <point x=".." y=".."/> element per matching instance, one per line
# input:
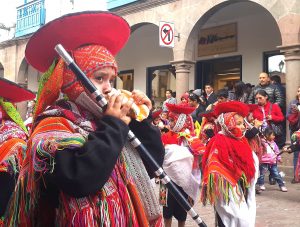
<point x="71" y="163"/>
<point x="261" y="111"/>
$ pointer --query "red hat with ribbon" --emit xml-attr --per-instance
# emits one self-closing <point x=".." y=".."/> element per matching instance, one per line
<point x="181" y="115"/>
<point x="92" y="37"/>
<point x="73" y="31"/>
<point x="156" y="113"/>
<point x="231" y="106"/>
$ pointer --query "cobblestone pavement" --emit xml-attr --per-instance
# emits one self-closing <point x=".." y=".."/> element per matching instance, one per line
<point x="274" y="208"/>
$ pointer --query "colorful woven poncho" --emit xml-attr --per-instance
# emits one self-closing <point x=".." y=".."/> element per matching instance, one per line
<point x="113" y="205"/>
<point x="12" y="149"/>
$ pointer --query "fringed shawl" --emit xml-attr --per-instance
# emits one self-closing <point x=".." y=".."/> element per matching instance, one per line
<point x="12" y="148"/>
<point x="227" y="163"/>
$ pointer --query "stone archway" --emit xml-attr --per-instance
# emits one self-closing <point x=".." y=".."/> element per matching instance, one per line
<point x="142" y="51"/>
<point x="257" y="32"/>
<point x="28" y="76"/>
<point x="22" y="77"/>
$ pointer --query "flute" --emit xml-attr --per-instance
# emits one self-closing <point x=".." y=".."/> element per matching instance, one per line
<point x="159" y="172"/>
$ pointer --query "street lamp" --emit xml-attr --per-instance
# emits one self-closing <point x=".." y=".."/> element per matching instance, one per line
<point x="281" y="64"/>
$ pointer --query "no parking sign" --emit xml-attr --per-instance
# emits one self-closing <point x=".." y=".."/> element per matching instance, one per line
<point x="166" y="34"/>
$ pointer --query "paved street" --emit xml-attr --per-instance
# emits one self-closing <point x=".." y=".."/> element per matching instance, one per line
<point x="274" y="208"/>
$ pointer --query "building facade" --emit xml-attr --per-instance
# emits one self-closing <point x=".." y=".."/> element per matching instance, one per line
<point x="216" y="41"/>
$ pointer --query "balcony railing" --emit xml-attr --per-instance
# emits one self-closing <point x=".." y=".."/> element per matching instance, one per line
<point x="30" y="17"/>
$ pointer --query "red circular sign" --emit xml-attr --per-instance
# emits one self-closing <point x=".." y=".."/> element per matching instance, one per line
<point x="166" y="34"/>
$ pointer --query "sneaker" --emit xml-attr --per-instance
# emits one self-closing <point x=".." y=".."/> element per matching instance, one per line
<point x="283" y="189"/>
<point x="262" y="187"/>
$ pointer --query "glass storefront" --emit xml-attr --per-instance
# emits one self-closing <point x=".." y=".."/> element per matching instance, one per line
<point x="223" y="72"/>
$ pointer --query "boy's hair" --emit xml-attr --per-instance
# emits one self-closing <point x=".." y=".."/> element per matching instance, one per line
<point x="222" y="93"/>
<point x="208" y="84"/>
<point x="268" y="132"/>
<point x="276" y="79"/>
<point x="194" y="97"/>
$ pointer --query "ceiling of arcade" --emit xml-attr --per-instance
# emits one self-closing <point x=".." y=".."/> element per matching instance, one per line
<point x="285" y="14"/>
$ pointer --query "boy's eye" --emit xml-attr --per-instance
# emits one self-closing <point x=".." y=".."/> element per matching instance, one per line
<point x="99" y="78"/>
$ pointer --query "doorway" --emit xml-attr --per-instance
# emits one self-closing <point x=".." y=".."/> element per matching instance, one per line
<point x="220" y="73"/>
<point x="160" y="79"/>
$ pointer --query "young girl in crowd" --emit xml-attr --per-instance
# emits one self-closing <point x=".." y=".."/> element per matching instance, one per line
<point x="229" y="168"/>
<point x="269" y="161"/>
<point x="184" y="99"/>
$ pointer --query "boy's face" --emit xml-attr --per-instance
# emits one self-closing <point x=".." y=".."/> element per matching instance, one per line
<point x="184" y="100"/>
<point x="271" y="137"/>
<point x="192" y="103"/>
<point x="208" y="89"/>
<point x="240" y="122"/>
<point x="104" y="79"/>
<point x="172" y="122"/>
<point x="168" y="94"/>
<point x="156" y="120"/>
<point x="164" y="115"/>
<point x="222" y="99"/>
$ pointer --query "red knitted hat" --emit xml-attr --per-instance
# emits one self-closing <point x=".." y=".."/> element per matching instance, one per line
<point x="232" y="106"/>
<point x="179" y="109"/>
<point x="181" y="114"/>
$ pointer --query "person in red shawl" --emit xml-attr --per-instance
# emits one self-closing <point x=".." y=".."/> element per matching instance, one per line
<point x="268" y="113"/>
<point x="230" y="168"/>
<point x="13" y="138"/>
<point x="182" y="149"/>
<point x="80" y="169"/>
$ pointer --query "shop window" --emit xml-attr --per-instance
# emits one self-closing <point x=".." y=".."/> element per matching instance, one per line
<point x="221" y="73"/>
<point x="124" y="80"/>
<point x="159" y="80"/>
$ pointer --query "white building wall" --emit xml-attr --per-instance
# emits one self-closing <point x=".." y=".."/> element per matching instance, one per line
<point x="142" y="51"/>
<point x="57" y="8"/>
<point x="257" y="33"/>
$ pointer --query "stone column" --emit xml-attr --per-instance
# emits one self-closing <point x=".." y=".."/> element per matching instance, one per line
<point x="182" y="76"/>
<point x="292" y="61"/>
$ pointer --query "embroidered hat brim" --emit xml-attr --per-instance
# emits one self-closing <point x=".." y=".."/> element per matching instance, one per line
<point x="14" y="92"/>
<point x="232" y="106"/>
<point x="75" y="30"/>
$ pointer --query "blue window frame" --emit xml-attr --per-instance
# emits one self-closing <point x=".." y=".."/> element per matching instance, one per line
<point x="30" y="17"/>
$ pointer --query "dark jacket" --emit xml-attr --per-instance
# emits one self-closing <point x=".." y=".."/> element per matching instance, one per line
<point x="211" y="99"/>
<point x="77" y="170"/>
<point x="275" y="94"/>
